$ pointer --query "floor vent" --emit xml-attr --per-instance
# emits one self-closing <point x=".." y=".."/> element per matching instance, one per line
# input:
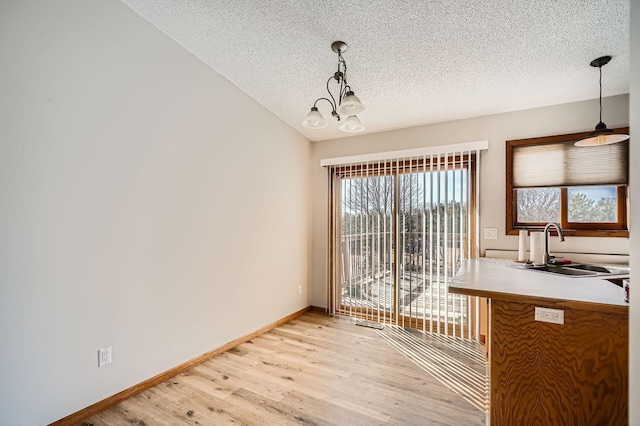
<point x="370" y="324"/>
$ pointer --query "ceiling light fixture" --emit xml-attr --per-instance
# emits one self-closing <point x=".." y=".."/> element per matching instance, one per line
<point x="601" y="135"/>
<point x="347" y="103"/>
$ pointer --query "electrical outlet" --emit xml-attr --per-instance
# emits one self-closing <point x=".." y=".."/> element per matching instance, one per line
<point x="104" y="356"/>
<point x="554" y="316"/>
<point x="299" y="289"/>
<point x="490" y="233"/>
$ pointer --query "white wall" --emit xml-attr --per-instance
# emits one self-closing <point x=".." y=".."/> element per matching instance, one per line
<point x="145" y="203"/>
<point x="561" y="119"/>
<point x="634" y="318"/>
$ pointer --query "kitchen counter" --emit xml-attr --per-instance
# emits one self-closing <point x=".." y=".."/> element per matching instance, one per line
<point x="507" y="280"/>
<point x="569" y="373"/>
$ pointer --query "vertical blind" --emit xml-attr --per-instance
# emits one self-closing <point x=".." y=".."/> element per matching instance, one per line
<point x="400" y="224"/>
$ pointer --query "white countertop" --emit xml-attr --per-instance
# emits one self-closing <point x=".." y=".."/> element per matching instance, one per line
<point x="495" y="278"/>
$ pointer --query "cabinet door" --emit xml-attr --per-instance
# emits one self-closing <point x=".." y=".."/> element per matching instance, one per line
<point x="574" y="373"/>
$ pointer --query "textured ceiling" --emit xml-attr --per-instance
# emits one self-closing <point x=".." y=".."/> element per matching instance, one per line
<point x="409" y="62"/>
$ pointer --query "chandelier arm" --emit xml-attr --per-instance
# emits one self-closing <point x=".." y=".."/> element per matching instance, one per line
<point x="326" y="99"/>
<point x="334" y="104"/>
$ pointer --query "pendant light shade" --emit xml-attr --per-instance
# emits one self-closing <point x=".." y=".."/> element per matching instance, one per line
<point x="350" y="105"/>
<point x="314" y="120"/>
<point x="601" y="135"/>
<point x="352" y="125"/>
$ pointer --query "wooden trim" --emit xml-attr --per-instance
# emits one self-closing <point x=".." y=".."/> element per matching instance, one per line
<point x="134" y="390"/>
<point x="511" y="208"/>
<point x="332" y="239"/>
<point x="319" y="309"/>
<point x="396" y="246"/>
<point x="569" y="137"/>
<point x="556" y="303"/>
<point x="473" y="207"/>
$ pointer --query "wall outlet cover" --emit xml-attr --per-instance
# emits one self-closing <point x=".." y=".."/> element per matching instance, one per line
<point x="490" y="233"/>
<point x="554" y="316"/>
<point x="104" y="356"/>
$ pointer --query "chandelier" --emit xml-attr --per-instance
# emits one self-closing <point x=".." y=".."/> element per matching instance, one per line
<point x="344" y="106"/>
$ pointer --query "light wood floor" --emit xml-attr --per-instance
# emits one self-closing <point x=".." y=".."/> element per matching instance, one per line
<point x="314" y="370"/>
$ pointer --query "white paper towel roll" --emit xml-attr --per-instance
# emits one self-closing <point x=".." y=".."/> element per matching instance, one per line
<point x="536" y="249"/>
<point x="522" y="246"/>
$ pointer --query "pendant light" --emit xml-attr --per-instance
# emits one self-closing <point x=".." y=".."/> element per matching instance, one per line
<point x="601" y="135"/>
<point x="344" y="105"/>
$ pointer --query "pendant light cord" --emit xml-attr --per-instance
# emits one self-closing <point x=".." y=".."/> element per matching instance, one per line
<point x="600" y="68"/>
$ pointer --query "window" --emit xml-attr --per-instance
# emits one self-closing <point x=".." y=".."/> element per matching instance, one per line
<point x="583" y="188"/>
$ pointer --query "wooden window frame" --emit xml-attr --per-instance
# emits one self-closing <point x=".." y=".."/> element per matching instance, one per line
<point x="580" y="229"/>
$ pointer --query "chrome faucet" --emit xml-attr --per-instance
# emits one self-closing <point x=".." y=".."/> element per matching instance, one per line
<point x="556" y="225"/>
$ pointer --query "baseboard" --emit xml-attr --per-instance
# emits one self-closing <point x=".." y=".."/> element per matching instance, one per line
<point x="78" y="416"/>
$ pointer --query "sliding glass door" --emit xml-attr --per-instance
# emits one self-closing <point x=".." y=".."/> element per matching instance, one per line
<point x="400" y="229"/>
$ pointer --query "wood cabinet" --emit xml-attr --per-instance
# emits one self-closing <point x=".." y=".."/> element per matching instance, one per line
<point x="574" y="373"/>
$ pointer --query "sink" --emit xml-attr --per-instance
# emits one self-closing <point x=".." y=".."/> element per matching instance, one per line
<point x="577" y="270"/>
<point x="562" y="270"/>
<point x="594" y="268"/>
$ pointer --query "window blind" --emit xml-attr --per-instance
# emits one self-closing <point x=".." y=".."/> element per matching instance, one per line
<point x="400" y="223"/>
<point x="563" y="164"/>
